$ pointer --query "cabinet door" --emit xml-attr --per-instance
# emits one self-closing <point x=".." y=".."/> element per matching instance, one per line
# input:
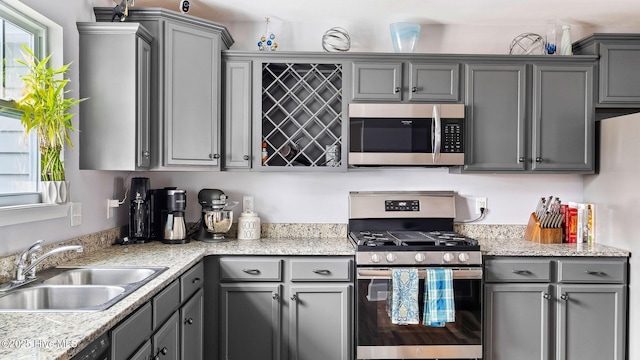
<point x="191" y="341"/>
<point x="496" y="118"/>
<point x="434" y="82"/>
<point x="563" y="118"/>
<point x="192" y="61"/>
<point x="250" y="321"/>
<point x="237" y="115"/>
<point x="591" y="322"/>
<point x="619" y="74"/>
<point x="516" y="321"/>
<point x="143" y="97"/>
<point x="377" y="81"/>
<point x="320" y="322"/>
<point x="145" y="352"/>
<point x="166" y="341"/>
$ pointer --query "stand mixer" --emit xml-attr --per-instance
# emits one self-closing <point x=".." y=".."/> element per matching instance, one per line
<point x="216" y="217"/>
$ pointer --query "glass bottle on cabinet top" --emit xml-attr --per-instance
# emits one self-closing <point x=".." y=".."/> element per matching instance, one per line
<point x="302" y="112"/>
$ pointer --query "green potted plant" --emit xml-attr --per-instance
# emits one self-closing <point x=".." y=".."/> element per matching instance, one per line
<point x="46" y="110"/>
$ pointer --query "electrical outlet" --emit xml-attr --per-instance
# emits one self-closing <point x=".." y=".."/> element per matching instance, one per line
<point x="481" y="202"/>
<point x="247" y="203"/>
<point x="76" y="214"/>
<point x="110" y="205"/>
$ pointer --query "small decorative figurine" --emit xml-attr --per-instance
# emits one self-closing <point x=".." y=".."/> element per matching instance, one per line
<point x="122" y="10"/>
<point x="267" y="40"/>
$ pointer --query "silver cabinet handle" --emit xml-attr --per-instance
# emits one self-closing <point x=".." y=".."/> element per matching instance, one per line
<point x="246" y="157"/>
<point x="322" y="271"/>
<point x="195" y="280"/>
<point x="216" y="156"/>
<point x="189" y="321"/>
<point x="564" y="297"/>
<point x="275" y="296"/>
<point x="252" y="271"/>
<point x="396" y="90"/>
<point x="145" y="154"/>
<point x="546" y="296"/>
<point x="597" y="273"/>
<point x="414" y="89"/>
<point x="521" y="159"/>
<point x="521" y="272"/>
<point x="538" y="159"/>
<point x="294" y="297"/>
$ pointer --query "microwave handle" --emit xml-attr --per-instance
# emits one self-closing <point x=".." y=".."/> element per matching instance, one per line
<point x="435" y="135"/>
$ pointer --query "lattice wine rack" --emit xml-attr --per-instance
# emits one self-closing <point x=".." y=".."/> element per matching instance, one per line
<point x="301" y="113"/>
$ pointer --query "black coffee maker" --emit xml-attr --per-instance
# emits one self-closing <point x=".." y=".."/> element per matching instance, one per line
<point x="140" y="210"/>
<point x="169" y="205"/>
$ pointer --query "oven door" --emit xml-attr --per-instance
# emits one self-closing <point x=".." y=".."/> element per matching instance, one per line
<point x="378" y="338"/>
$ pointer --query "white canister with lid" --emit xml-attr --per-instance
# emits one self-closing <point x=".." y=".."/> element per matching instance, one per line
<point x="248" y="226"/>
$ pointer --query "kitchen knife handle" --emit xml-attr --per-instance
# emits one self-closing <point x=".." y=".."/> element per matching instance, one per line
<point x="252" y="271"/>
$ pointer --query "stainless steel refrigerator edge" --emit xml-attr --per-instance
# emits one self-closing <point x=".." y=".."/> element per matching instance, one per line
<point x="616" y="193"/>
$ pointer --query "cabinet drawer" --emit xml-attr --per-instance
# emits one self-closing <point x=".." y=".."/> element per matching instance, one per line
<point x="518" y="270"/>
<point x="127" y="336"/>
<point x="321" y="270"/>
<point x="191" y="281"/>
<point x="250" y="269"/>
<point x="592" y="271"/>
<point x="165" y="303"/>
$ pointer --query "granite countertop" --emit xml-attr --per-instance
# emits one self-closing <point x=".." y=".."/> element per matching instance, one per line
<point x="522" y="247"/>
<point x="21" y="335"/>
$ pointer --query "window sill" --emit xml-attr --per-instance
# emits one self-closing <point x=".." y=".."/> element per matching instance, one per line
<point x="19" y="214"/>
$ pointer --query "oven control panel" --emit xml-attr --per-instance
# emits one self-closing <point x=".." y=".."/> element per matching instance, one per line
<point x="401" y="205"/>
<point x="419" y="258"/>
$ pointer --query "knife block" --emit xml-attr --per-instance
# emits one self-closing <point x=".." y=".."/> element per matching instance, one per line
<point x="536" y="233"/>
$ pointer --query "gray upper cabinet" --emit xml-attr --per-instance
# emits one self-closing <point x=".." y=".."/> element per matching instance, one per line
<point x="563" y="119"/>
<point x="405" y="81"/>
<point x="496" y="117"/>
<point x="115" y="128"/>
<point x="237" y="114"/>
<point x="524" y="117"/>
<point x="619" y="67"/>
<point x="185" y="87"/>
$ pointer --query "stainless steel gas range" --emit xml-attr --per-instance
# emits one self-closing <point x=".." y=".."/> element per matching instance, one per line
<point x="393" y="230"/>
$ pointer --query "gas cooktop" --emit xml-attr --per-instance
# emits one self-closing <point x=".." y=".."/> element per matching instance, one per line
<point x="403" y="240"/>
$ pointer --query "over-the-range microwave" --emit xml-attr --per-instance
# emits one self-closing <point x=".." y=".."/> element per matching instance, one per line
<point x="406" y="134"/>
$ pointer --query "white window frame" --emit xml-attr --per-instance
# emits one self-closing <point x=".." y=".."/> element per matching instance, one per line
<point x="27" y="207"/>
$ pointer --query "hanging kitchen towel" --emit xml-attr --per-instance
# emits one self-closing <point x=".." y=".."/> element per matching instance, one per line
<point x="404" y="298"/>
<point x="438" y="298"/>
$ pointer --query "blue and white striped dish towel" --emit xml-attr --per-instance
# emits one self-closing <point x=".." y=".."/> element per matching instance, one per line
<point x="404" y="298"/>
<point x="439" y="305"/>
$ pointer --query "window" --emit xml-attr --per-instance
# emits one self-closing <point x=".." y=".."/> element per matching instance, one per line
<point x="19" y="163"/>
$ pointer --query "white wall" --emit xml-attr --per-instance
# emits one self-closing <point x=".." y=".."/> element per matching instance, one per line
<point x="282" y="197"/>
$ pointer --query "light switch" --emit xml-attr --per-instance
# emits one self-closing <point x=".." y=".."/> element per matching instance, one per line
<point x="76" y="214"/>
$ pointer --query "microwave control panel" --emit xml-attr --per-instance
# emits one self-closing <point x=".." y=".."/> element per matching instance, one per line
<point x="452" y="136"/>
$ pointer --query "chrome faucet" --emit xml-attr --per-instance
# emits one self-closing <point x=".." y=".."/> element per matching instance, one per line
<point x="27" y="261"/>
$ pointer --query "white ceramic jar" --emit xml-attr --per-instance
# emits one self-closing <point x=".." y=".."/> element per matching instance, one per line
<point x="248" y="226"/>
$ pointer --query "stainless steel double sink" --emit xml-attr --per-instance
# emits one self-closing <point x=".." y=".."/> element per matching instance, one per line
<point x="78" y="289"/>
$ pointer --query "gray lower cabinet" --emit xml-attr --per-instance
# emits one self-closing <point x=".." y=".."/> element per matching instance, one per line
<point x="319" y="326"/>
<point x="555" y="308"/>
<point x="619" y="67"/>
<point x="405" y="81"/>
<point x="237" y="114"/>
<point x="117" y="109"/>
<point x="550" y="130"/>
<point x="297" y="308"/>
<point x="169" y="326"/>
<point x="185" y="87"/>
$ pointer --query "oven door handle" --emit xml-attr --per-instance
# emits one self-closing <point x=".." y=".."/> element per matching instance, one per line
<point x="385" y="273"/>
